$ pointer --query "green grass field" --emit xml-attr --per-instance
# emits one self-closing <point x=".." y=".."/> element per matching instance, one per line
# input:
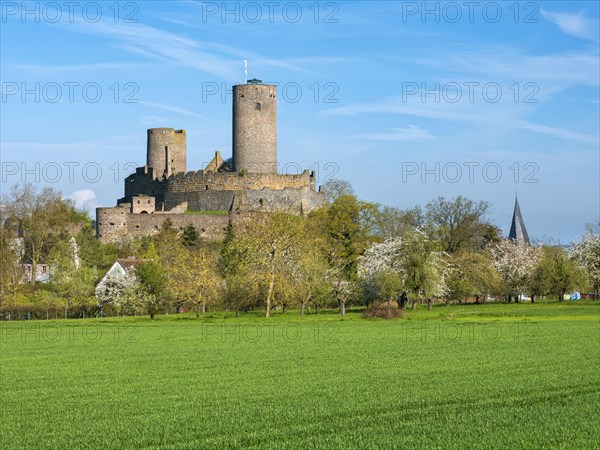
<point x="501" y="376"/>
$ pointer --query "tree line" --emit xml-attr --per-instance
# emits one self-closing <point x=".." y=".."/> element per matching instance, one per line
<point x="349" y="252"/>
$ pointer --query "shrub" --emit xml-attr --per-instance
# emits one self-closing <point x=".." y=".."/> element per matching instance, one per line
<point x="383" y="310"/>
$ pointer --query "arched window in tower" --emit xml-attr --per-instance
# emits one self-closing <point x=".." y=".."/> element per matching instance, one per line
<point x="258" y="107"/>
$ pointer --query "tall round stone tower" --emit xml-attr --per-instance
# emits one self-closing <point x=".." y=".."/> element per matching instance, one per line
<point x="254" y="127"/>
<point x="166" y="153"/>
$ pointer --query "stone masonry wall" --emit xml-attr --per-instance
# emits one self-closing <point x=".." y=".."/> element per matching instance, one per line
<point x="254" y="128"/>
<point x="295" y="201"/>
<point x="117" y="223"/>
<point x="166" y="151"/>
<point x="142" y="182"/>
<point x="210" y="227"/>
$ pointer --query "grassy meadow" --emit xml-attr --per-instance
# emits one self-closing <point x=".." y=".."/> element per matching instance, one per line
<point x="482" y="376"/>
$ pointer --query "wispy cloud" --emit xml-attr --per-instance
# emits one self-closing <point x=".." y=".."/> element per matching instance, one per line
<point x="37" y="68"/>
<point x="501" y="63"/>
<point x="573" y="24"/>
<point x="404" y="134"/>
<point x="215" y="59"/>
<point x="461" y="111"/>
<point x="502" y="116"/>
<point x="122" y="145"/>
<point x="172" y="108"/>
<point x="556" y="132"/>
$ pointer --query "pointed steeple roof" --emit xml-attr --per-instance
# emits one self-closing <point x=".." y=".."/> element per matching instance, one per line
<point x="517" y="227"/>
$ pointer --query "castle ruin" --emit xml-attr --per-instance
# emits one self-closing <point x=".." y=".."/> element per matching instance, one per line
<point x="224" y="191"/>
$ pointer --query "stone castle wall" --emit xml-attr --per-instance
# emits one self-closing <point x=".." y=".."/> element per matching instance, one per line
<point x="114" y="224"/>
<point x="118" y="222"/>
<point x="295" y="201"/>
<point x="143" y="182"/>
<point x="163" y="189"/>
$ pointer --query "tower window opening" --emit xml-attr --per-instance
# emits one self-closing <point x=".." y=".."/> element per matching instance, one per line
<point x="257" y="107"/>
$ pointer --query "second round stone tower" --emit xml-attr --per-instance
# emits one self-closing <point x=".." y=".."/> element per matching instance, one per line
<point x="254" y="127"/>
<point x="166" y="152"/>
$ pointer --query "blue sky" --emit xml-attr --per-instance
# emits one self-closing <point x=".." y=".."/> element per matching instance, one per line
<point x="405" y="100"/>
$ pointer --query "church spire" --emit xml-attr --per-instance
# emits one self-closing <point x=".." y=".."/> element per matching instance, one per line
<point x="518" y="231"/>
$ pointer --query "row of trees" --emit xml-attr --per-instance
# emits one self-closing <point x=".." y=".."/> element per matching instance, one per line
<point x="348" y="251"/>
<point x="416" y="265"/>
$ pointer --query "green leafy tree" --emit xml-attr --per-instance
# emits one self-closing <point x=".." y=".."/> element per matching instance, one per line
<point x="190" y="236"/>
<point x="541" y="278"/>
<point x="235" y="264"/>
<point x="272" y="242"/>
<point x="195" y="278"/>
<point x="346" y="236"/>
<point x="388" y="222"/>
<point x="91" y="250"/>
<point x="44" y="217"/>
<point x="153" y="284"/>
<point x="310" y="276"/>
<point x="151" y="253"/>
<point x="472" y="274"/>
<point x="11" y="269"/>
<point x="72" y="282"/>
<point x="334" y="189"/>
<point x="560" y="273"/>
<point x="167" y="243"/>
<point x="424" y="267"/>
<point x="460" y="223"/>
<point x="417" y="263"/>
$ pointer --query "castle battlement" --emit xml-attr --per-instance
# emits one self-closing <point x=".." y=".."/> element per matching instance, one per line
<point x="209" y="198"/>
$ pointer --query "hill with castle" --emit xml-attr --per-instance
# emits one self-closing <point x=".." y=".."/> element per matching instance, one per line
<point x="224" y="191"/>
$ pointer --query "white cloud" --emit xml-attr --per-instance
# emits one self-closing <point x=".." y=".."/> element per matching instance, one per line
<point x="573" y="24"/>
<point x="84" y="199"/>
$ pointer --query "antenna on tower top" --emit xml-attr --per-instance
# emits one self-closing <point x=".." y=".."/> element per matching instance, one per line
<point x="245" y="71"/>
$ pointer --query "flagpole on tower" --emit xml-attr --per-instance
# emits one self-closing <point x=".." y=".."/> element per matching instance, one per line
<point x="245" y="71"/>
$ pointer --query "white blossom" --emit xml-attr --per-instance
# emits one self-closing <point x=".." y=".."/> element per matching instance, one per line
<point x="587" y="255"/>
<point x="515" y="262"/>
<point x="413" y="258"/>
